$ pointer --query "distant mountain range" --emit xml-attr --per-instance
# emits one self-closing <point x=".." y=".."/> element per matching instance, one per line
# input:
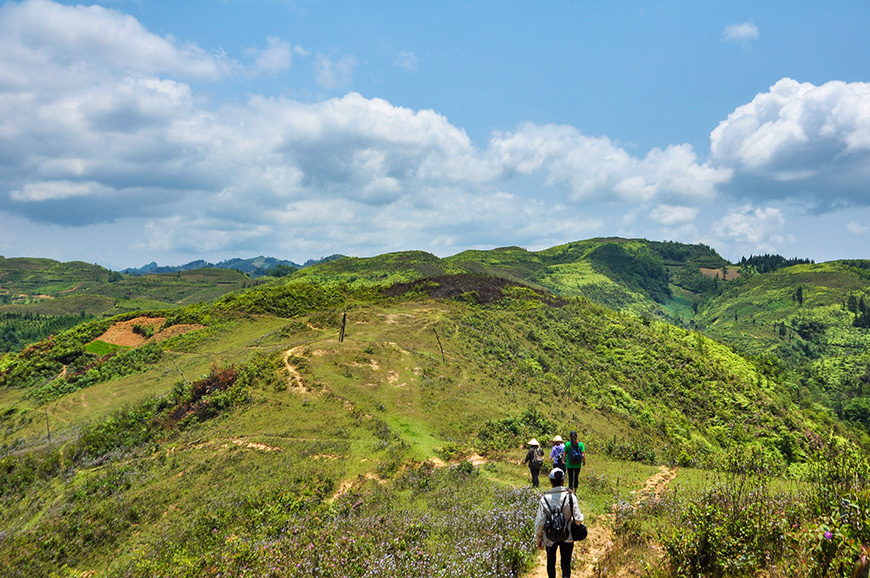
<point x="252" y="267"/>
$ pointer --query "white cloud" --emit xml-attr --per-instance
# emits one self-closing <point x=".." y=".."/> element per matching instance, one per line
<point x="79" y="44"/>
<point x="799" y="138"/>
<point x="334" y="74"/>
<point x="595" y="168"/>
<point x="275" y="58"/>
<point x="749" y="224"/>
<point x="407" y="61"/>
<point x="857" y="228"/>
<point x="741" y="32"/>
<point x="673" y="215"/>
<point x="116" y="143"/>
<point x="55" y="190"/>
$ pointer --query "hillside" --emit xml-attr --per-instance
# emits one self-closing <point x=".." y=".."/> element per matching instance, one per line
<point x="252" y="442"/>
<point x="257" y="433"/>
<point x="653" y="278"/>
<point x="39" y="297"/>
<point x="804" y="319"/>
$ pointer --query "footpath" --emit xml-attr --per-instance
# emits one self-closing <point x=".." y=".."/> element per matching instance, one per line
<point x="590" y="557"/>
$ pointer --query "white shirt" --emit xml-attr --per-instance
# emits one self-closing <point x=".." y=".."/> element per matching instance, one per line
<point x="552" y="499"/>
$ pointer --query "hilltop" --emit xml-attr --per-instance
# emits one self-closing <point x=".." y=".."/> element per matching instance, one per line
<point x="341" y="420"/>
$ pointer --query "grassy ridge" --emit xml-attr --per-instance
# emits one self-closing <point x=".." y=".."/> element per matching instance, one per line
<point x="263" y="445"/>
<point x="185" y="483"/>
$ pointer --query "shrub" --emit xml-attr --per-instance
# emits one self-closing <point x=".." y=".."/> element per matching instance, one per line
<point x="734" y="528"/>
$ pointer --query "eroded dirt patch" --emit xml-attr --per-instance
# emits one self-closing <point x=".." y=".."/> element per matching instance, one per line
<point x="124" y="333"/>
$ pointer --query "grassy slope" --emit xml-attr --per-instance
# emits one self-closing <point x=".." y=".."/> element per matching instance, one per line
<point x="761" y="316"/>
<point x="47" y="287"/>
<point x="578" y="268"/>
<point x="748" y="311"/>
<point x="385" y="398"/>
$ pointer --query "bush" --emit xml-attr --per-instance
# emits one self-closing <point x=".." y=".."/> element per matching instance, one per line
<point x="735" y="528"/>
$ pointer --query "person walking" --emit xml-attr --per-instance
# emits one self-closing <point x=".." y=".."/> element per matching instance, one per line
<point x="557" y="454"/>
<point x="575" y="453"/>
<point x="535" y="459"/>
<point x="557" y="500"/>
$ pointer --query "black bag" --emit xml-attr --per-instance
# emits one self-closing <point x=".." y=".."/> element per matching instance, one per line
<point x="578" y="529"/>
<point x="560" y="460"/>
<point x="575" y="456"/>
<point x="556" y="526"/>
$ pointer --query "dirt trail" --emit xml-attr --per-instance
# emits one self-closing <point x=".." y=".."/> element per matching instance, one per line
<point x="591" y="552"/>
<point x="294" y="378"/>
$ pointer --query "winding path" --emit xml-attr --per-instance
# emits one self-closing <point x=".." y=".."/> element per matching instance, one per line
<point x="589" y="554"/>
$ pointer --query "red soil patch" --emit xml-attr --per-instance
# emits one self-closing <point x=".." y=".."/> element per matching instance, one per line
<point x="733" y="273"/>
<point x="122" y="333"/>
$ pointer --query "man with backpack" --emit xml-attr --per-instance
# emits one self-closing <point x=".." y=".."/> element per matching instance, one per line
<point x="557" y="513"/>
<point x="576" y="458"/>
<point x="535" y="459"/>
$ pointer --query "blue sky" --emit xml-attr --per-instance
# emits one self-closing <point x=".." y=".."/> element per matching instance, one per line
<point x="137" y="131"/>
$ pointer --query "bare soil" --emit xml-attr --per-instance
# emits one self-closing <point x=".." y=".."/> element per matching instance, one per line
<point x="732" y="273"/>
<point x="122" y="333"/>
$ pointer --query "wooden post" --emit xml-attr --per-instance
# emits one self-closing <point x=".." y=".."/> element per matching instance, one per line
<point x="439" y="344"/>
<point x="180" y="372"/>
<point x="47" y="428"/>
<point x="343" y="322"/>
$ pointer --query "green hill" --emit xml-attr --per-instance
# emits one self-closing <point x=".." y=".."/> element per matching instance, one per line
<point x="39" y="297"/>
<point x="653" y="278"/>
<point x="257" y="441"/>
<point x="367" y="417"/>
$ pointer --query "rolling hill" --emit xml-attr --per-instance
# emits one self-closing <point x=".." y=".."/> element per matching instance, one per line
<point x="367" y="416"/>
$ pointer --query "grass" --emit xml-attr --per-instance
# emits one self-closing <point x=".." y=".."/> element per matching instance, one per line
<point x="414" y="375"/>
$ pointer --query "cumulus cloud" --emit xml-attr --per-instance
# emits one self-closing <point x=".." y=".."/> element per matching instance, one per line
<point x="802" y="139"/>
<point x="333" y="74"/>
<point x="70" y="44"/>
<point x="742" y="33"/>
<point x="671" y="216"/>
<point x="595" y="168"/>
<point x="129" y="138"/>
<point x="748" y="224"/>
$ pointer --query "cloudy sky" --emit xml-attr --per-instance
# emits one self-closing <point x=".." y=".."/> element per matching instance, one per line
<point x="141" y="130"/>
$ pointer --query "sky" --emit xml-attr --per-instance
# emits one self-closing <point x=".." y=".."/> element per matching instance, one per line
<point x="134" y="131"/>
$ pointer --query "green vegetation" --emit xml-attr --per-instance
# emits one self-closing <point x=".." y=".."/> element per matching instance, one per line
<point x="42" y="287"/>
<point x="254" y="441"/>
<point x="19" y="329"/>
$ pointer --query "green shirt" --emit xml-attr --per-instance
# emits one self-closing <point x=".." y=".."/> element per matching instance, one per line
<point x="568" y="463"/>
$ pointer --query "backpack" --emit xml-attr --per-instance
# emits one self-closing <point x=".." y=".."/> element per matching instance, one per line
<point x="575" y="456"/>
<point x="538" y="458"/>
<point x="556" y="526"/>
<point x="560" y="459"/>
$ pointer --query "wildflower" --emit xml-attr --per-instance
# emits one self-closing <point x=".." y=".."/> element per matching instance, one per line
<point x="829" y="535"/>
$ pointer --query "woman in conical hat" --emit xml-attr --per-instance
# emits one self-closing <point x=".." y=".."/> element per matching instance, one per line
<point x="535" y="459"/>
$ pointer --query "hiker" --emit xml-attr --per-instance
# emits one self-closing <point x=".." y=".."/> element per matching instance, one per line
<point x="575" y="453"/>
<point x="535" y="459"/>
<point x="558" y="453"/>
<point x="559" y="499"/>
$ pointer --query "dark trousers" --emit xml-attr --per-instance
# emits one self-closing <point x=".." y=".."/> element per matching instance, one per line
<point x="573" y="477"/>
<point x="565" y="551"/>
<point x="535" y="473"/>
